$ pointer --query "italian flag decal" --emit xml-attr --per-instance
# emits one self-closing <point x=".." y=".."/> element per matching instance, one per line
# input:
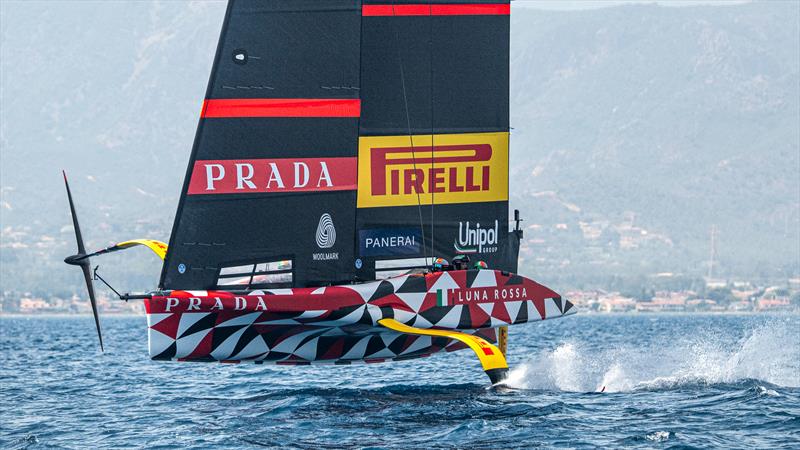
<point x="441" y="297"/>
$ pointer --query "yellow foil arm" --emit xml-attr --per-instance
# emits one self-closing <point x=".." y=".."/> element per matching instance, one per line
<point x="158" y="247"/>
<point x="491" y="358"/>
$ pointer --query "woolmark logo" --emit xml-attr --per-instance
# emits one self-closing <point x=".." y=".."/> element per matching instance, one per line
<point x="474" y="239"/>
<point x="326" y="232"/>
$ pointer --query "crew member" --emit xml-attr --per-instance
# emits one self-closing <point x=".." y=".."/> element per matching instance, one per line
<point x="461" y="262"/>
<point x="441" y="265"/>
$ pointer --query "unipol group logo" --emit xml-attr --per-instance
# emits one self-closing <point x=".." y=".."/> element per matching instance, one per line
<point x="472" y="238"/>
<point x="326" y="238"/>
<point x="249" y="176"/>
<point x="426" y="169"/>
<point x="326" y="232"/>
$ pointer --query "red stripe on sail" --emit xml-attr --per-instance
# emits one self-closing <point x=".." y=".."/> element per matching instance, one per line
<point x="480" y="9"/>
<point x="281" y="107"/>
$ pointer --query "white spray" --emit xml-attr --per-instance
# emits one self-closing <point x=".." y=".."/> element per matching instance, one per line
<point x="770" y="353"/>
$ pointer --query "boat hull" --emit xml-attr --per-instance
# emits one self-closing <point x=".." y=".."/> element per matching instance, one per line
<point x="339" y="324"/>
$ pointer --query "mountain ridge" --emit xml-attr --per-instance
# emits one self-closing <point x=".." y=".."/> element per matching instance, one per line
<point x="635" y="130"/>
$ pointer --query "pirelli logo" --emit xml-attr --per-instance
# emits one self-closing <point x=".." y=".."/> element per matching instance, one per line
<point x="443" y="168"/>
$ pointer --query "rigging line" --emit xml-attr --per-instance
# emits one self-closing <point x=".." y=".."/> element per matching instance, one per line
<point x="410" y="136"/>
<point x="430" y="98"/>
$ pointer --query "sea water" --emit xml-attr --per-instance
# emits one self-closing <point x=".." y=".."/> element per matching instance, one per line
<point x="582" y="382"/>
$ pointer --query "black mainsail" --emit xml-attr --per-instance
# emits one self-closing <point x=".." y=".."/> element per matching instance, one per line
<point x="335" y="134"/>
<point x="433" y="148"/>
<point x="272" y="175"/>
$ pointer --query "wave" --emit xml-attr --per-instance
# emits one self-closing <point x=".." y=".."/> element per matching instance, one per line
<point x="769" y="353"/>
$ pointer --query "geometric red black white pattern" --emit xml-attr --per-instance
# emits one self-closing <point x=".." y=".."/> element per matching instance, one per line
<point x="339" y="324"/>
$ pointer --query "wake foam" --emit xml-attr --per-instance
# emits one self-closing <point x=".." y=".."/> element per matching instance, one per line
<point x="769" y="353"/>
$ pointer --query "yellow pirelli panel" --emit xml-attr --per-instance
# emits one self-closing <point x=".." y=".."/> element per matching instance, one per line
<point x="439" y="169"/>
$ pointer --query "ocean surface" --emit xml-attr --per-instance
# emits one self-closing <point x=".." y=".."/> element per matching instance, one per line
<point x="668" y="381"/>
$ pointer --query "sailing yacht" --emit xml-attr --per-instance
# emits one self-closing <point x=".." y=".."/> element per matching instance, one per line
<point x="346" y="197"/>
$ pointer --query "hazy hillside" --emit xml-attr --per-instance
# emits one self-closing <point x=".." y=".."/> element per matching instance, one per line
<point x="111" y="92"/>
<point x="636" y="129"/>
<point x="674" y="119"/>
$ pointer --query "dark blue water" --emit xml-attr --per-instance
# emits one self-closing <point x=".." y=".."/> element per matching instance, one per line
<point x="670" y="381"/>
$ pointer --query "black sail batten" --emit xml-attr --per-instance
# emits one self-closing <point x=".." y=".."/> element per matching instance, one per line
<point x="272" y="174"/>
<point x="455" y="58"/>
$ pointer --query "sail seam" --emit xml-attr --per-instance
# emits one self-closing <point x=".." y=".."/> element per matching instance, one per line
<point x="433" y="135"/>
<point x="411" y="138"/>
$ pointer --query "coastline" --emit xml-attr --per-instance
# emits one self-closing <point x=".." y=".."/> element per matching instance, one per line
<point x="48" y="315"/>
